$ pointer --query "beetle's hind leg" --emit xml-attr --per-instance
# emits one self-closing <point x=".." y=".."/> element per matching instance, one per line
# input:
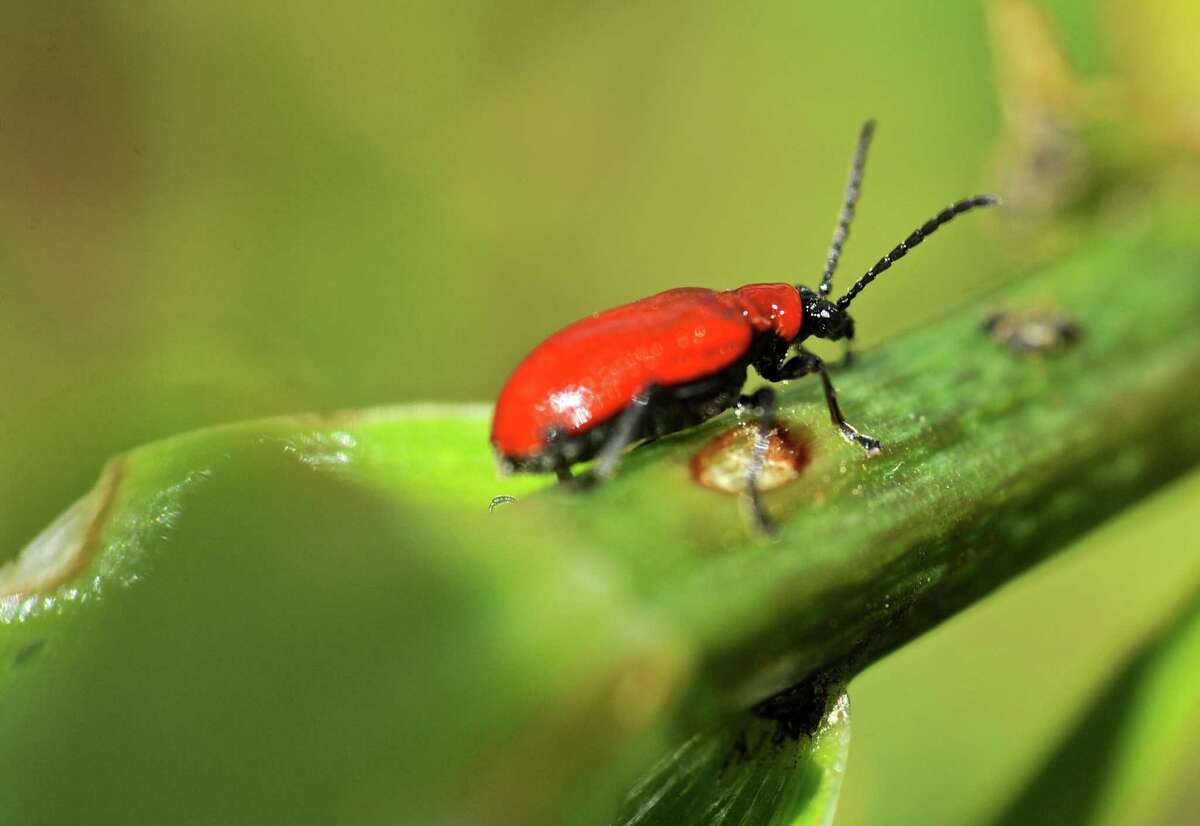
<point x="556" y="458"/>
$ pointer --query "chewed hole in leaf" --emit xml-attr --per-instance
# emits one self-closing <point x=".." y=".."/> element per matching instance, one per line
<point x="724" y="463"/>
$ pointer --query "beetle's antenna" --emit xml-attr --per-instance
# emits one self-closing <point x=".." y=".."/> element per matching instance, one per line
<point x="853" y="186"/>
<point x="918" y="235"/>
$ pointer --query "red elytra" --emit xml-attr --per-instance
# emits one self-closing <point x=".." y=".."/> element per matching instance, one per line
<point x="675" y="359"/>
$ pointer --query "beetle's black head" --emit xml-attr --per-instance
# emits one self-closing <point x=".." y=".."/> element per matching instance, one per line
<point x="823" y="318"/>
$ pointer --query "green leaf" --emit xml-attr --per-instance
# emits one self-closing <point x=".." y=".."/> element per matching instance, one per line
<point x="1132" y="757"/>
<point x="747" y="775"/>
<point x="256" y="628"/>
<point x="316" y="619"/>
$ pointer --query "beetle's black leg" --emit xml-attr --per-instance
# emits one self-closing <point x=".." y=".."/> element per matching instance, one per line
<point x="869" y="444"/>
<point x="556" y="454"/>
<point x="763" y="403"/>
<point x="847" y="355"/>
<point x="806" y="363"/>
<point x="626" y="430"/>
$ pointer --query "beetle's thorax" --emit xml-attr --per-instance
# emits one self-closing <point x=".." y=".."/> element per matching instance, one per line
<point x="771" y="308"/>
<point x="823" y="318"/>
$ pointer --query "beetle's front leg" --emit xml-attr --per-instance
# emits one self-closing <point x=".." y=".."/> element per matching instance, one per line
<point x="806" y="363"/>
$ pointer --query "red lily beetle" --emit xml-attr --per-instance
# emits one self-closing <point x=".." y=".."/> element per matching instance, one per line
<point x="675" y="359"/>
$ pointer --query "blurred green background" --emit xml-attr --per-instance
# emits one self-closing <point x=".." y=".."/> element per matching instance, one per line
<point x="214" y="211"/>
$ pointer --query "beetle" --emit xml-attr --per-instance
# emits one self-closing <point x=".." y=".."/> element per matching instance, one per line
<point x="670" y="361"/>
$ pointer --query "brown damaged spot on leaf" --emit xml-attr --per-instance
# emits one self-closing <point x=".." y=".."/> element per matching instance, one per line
<point x="724" y="463"/>
<point x="60" y="552"/>
<point x="1033" y="330"/>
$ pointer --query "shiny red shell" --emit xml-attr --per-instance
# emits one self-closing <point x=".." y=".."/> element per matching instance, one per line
<point x="587" y="373"/>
